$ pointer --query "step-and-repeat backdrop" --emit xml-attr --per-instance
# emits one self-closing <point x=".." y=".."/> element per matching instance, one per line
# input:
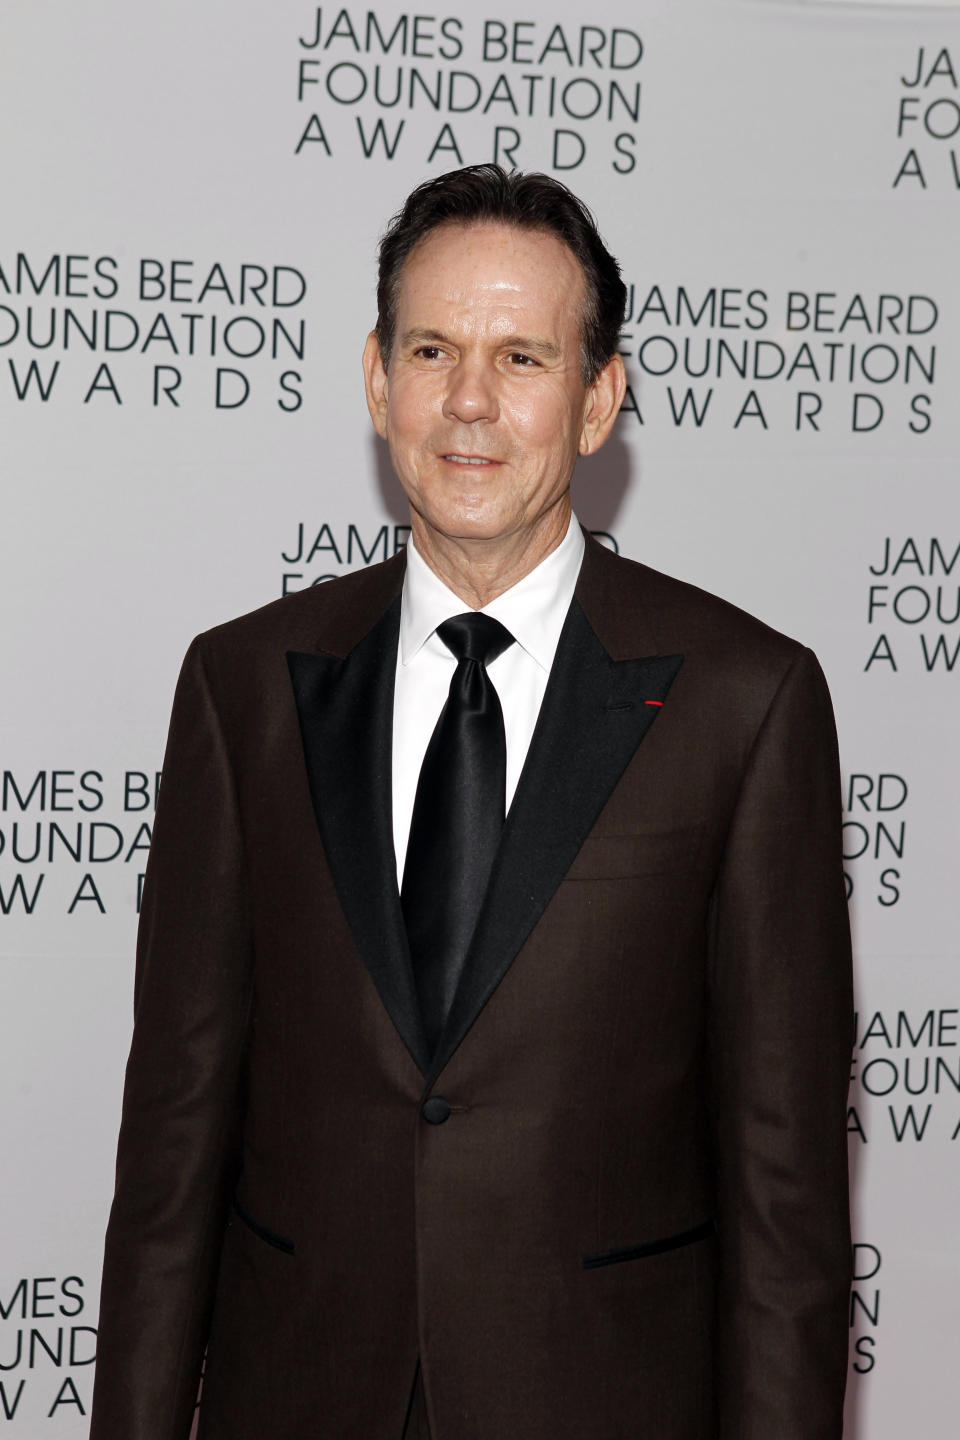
<point x="191" y="197"/>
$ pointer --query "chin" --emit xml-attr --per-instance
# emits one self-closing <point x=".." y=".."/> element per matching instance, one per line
<point x="469" y="522"/>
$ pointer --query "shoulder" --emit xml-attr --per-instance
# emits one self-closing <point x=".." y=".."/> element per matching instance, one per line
<point x="329" y="617"/>
<point x="625" y="595"/>
<point x="726" y="651"/>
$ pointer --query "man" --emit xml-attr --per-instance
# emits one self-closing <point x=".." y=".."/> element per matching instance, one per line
<point x="440" y="1125"/>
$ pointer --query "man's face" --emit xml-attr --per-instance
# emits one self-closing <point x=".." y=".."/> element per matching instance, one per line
<point x="483" y="405"/>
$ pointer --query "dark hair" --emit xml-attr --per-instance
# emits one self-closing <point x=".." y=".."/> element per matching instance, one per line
<point x="480" y="193"/>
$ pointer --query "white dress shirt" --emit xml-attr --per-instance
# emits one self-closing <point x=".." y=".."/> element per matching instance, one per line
<point x="533" y="611"/>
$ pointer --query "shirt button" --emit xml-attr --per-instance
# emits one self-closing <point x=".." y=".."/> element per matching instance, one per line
<point x="436" y="1110"/>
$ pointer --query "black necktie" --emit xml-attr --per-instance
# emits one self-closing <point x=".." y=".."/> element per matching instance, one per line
<point x="457" y="817"/>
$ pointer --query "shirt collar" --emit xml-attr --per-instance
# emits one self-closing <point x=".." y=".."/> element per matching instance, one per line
<point x="533" y="610"/>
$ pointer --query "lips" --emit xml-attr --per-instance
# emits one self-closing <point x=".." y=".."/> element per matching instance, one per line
<point x="456" y="459"/>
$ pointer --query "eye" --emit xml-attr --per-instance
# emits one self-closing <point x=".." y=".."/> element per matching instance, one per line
<point x="428" y="352"/>
<point x="517" y="357"/>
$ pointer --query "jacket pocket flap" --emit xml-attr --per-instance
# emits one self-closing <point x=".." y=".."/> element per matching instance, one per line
<point x="615" y="857"/>
<point x="279" y="1242"/>
<point x="652" y="1247"/>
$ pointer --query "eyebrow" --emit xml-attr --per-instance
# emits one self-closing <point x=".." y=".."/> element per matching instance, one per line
<point x="544" y="348"/>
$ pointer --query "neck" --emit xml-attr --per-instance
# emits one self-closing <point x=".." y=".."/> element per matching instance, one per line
<point x="479" y="570"/>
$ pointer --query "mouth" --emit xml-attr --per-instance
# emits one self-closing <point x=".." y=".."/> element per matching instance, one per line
<point x="456" y="459"/>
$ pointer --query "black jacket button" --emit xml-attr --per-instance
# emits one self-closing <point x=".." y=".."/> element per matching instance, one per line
<point x="436" y="1110"/>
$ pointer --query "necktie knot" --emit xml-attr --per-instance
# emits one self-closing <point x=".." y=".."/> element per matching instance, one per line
<point x="474" y="636"/>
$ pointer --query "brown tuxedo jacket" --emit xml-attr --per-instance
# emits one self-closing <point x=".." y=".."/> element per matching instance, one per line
<point x="628" y="1216"/>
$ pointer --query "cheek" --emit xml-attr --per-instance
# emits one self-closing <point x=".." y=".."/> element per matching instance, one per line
<point x="544" y="425"/>
<point x="411" y="406"/>
<point x="550" y="403"/>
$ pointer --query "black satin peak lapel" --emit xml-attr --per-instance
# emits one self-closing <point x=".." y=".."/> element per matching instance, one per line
<point x="345" y="708"/>
<point x="594" y="714"/>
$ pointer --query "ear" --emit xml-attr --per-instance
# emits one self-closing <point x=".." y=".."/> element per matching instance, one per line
<point x="375" y="383"/>
<point x="604" y="398"/>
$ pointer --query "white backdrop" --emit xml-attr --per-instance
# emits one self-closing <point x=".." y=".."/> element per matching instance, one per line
<point x="191" y="197"/>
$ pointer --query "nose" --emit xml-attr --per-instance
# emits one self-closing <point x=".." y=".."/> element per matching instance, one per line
<point x="472" y="392"/>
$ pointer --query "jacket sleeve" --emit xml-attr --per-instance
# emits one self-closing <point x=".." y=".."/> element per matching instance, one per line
<point x="176" y="1157"/>
<point x="779" y="1039"/>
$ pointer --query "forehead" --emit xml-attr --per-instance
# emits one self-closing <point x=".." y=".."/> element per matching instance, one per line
<point x="491" y="273"/>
